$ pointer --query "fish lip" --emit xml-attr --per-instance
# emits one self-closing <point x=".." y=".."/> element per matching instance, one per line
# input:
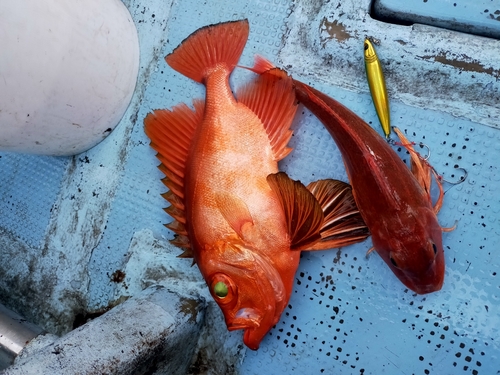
<point x="241" y="325"/>
<point x="252" y="342"/>
<point x="250" y="320"/>
<point x="246" y="318"/>
<point x="429" y="288"/>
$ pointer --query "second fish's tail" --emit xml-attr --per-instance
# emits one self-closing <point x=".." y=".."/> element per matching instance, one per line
<point x="208" y="48"/>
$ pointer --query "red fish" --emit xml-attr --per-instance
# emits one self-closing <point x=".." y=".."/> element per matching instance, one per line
<point x="394" y="202"/>
<point x="396" y="208"/>
<point x="242" y="221"/>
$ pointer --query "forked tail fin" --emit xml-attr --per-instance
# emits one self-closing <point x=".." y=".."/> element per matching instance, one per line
<point x="209" y="47"/>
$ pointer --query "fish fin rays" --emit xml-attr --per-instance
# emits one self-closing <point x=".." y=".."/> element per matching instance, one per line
<point x="343" y="224"/>
<point x="208" y="48"/>
<point x="271" y="97"/>
<point x="303" y="213"/>
<point x="261" y="64"/>
<point x="422" y="171"/>
<point x="171" y="133"/>
<point x="235" y="212"/>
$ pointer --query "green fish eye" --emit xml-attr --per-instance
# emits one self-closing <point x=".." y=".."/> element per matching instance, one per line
<point x="220" y="289"/>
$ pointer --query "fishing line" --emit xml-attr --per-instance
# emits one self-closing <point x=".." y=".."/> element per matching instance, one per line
<point x="426" y="158"/>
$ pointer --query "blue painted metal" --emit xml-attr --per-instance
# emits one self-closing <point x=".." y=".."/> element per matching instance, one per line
<point x="479" y="17"/>
<point x="348" y="314"/>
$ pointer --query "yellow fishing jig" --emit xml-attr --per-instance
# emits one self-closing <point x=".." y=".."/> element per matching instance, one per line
<point x="377" y="87"/>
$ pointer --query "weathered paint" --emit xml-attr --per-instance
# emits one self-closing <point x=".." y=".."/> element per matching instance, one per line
<point x="478" y="17"/>
<point x="424" y="66"/>
<point x="141" y="335"/>
<point x="341" y="300"/>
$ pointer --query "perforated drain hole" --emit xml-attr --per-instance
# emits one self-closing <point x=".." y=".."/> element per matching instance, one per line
<point x="330" y="314"/>
<point x="435" y="329"/>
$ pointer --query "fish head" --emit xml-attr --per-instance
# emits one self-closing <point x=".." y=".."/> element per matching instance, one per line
<point x="248" y="288"/>
<point x="416" y="257"/>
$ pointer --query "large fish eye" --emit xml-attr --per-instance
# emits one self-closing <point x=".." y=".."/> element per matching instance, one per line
<point x="223" y="288"/>
<point x="220" y="289"/>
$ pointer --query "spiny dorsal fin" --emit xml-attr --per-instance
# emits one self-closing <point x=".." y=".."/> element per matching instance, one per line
<point x="174" y="200"/>
<point x="177" y="227"/>
<point x="261" y="64"/>
<point x="171" y="134"/>
<point x="271" y="97"/>
<point x="343" y="224"/>
<point x="303" y="213"/>
<point x="209" y="47"/>
<point x="183" y="242"/>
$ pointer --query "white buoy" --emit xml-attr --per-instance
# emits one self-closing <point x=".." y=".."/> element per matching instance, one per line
<point x="68" y="69"/>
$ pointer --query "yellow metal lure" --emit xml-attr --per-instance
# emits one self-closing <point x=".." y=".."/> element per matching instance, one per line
<point x="377" y="87"/>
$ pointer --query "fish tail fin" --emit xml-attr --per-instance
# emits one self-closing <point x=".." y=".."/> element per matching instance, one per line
<point x="209" y="47"/>
<point x="343" y="224"/>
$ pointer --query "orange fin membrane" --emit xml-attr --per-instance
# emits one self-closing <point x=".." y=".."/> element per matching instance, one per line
<point x="235" y="211"/>
<point x="171" y="133"/>
<point x="343" y="224"/>
<point x="302" y="211"/>
<point x="422" y="170"/>
<point x="271" y="97"/>
<point x="209" y="47"/>
<point x="419" y="167"/>
<point x="261" y="64"/>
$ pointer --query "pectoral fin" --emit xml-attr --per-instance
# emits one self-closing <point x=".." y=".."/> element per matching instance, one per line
<point x="235" y="211"/>
<point x="303" y="213"/>
<point x="343" y="224"/>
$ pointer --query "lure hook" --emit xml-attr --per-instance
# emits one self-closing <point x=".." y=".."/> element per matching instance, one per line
<point x="462" y="178"/>
<point x="393" y="142"/>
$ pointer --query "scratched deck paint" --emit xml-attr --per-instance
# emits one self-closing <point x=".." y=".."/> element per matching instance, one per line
<point x="348" y="314"/>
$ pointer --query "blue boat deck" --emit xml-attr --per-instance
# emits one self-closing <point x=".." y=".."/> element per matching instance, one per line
<point x="70" y="226"/>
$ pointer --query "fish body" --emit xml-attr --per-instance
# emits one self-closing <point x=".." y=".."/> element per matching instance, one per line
<point x="376" y="82"/>
<point x="395" y="207"/>
<point x="243" y="222"/>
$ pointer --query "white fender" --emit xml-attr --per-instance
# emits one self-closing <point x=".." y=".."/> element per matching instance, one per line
<point x="68" y="69"/>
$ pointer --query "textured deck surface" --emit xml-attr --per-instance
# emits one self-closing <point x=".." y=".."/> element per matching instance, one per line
<point x="78" y="234"/>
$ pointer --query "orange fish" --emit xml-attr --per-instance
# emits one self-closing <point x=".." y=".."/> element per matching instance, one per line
<point x="242" y="221"/>
<point x="396" y="207"/>
<point x="394" y="202"/>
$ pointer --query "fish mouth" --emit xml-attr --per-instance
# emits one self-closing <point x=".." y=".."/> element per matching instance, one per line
<point x="428" y="288"/>
<point x="246" y="318"/>
<point x="432" y="283"/>
<point x="249" y="320"/>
